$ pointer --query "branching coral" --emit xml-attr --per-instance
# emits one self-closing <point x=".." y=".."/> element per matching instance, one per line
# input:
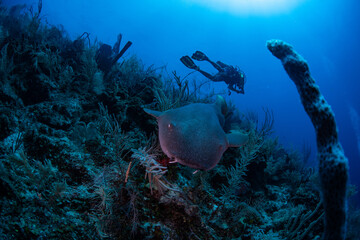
<point x="6" y="65"/>
<point x="296" y="223"/>
<point x="263" y="129"/>
<point x="170" y="96"/>
<point x="177" y="92"/>
<point x="333" y="165"/>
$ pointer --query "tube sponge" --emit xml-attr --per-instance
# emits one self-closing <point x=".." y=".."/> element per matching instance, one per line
<point x="333" y="165"/>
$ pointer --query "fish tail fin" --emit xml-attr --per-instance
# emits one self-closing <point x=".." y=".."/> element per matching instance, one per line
<point x="237" y="138"/>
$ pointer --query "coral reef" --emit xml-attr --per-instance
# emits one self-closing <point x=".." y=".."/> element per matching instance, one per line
<point x="79" y="158"/>
<point x="333" y="165"/>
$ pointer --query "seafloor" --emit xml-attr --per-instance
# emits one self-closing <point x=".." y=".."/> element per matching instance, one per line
<point x="80" y="159"/>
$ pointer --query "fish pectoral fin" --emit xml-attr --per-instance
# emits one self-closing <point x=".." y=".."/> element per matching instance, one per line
<point x="153" y="113"/>
<point x="173" y="161"/>
<point x="237" y="138"/>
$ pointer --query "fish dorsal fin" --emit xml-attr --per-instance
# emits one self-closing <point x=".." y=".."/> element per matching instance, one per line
<point x="237" y="138"/>
<point x="153" y="113"/>
<point x="220" y="101"/>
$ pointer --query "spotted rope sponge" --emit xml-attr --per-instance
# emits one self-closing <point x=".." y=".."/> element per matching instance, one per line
<point x="333" y="165"/>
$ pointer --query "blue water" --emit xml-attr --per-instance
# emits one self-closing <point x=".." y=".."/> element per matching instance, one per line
<point x="326" y="33"/>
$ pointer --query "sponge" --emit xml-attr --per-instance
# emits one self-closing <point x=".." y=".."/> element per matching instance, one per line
<point x="333" y="165"/>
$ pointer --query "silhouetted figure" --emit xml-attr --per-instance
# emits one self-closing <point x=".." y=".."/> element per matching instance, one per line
<point x="232" y="76"/>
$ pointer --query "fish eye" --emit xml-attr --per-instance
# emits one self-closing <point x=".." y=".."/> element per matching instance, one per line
<point x="170" y="126"/>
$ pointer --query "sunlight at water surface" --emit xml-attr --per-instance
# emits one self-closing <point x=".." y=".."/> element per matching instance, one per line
<point x="250" y="7"/>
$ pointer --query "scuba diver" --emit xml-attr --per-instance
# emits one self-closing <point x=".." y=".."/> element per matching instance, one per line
<point x="232" y="76"/>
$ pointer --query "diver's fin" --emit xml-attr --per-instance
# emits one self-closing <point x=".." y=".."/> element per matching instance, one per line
<point x="186" y="60"/>
<point x="237" y="138"/>
<point x="200" y="56"/>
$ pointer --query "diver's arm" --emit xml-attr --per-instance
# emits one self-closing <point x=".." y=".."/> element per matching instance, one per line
<point x="231" y="87"/>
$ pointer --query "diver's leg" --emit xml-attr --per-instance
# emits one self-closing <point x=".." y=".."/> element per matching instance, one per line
<point x="215" y="65"/>
<point x="208" y="75"/>
<point x="221" y="64"/>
